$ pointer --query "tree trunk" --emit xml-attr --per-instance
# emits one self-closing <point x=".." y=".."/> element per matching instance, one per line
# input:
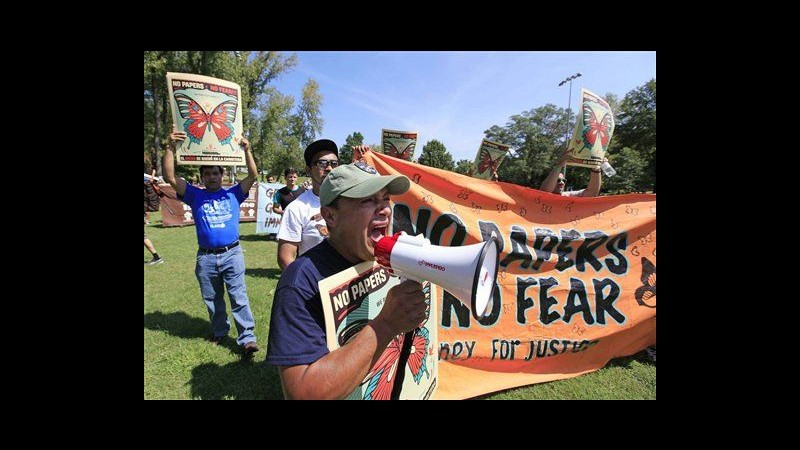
<point x="157" y="127"/>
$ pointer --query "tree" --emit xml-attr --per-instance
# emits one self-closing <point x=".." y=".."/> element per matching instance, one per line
<point x="308" y="122"/>
<point x="275" y="148"/>
<point x="346" y="151"/>
<point x="253" y="71"/>
<point x="630" y="175"/>
<point x="636" y="127"/>
<point x="434" y="154"/>
<point x="289" y="154"/>
<point x="464" y="166"/>
<point x="537" y="137"/>
<point x="613" y="103"/>
<point x="154" y="63"/>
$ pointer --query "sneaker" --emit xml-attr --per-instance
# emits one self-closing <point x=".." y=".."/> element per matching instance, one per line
<point x="249" y="348"/>
<point x="155" y="261"/>
<point x="215" y="339"/>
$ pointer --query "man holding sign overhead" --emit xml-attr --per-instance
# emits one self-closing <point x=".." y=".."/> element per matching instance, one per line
<point x="556" y="180"/>
<point x="587" y="148"/>
<point x="220" y="261"/>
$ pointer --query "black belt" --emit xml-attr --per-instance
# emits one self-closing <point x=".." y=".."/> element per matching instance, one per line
<point x="219" y="250"/>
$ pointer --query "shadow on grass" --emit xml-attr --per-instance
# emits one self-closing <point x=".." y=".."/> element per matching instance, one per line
<point x="625" y="361"/>
<point x="255" y="237"/>
<point x="178" y="324"/>
<point x="267" y="273"/>
<point x="247" y="379"/>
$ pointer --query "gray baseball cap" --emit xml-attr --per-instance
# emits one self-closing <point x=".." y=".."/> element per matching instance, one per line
<point x="359" y="180"/>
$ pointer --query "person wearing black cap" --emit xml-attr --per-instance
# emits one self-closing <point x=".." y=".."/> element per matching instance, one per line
<point x="355" y="206"/>
<point x="302" y="226"/>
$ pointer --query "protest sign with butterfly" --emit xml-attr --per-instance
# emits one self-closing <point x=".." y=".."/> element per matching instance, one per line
<point x="399" y="144"/>
<point x="490" y="155"/>
<point x="408" y="368"/>
<point x="209" y="111"/>
<point x="593" y="130"/>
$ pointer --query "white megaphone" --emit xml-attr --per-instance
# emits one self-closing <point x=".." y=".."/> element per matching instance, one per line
<point x="468" y="272"/>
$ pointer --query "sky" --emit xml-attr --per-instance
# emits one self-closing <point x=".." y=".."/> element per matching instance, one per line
<point x="451" y="96"/>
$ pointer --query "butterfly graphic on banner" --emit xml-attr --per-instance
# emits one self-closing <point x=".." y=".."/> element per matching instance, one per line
<point x="593" y="129"/>
<point x="486" y="161"/>
<point x="198" y="121"/>
<point x="406" y="153"/>
<point x="646" y="293"/>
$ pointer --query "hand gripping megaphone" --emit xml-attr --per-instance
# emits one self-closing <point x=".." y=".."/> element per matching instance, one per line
<point x="468" y="272"/>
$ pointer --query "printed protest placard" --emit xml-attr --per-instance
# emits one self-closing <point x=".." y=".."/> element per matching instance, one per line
<point x="593" y="129"/>
<point x="209" y="111"/>
<point x="490" y="155"/>
<point x="399" y="144"/>
<point x="266" y="220"/>
<point x="353" y="297"/>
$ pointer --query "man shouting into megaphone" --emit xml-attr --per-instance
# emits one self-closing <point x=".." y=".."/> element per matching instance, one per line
<point x="354" y="202"/>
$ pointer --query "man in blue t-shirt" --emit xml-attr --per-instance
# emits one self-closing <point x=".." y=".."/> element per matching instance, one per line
<point x="354" y="202"/>
<point x="219" y="258"/>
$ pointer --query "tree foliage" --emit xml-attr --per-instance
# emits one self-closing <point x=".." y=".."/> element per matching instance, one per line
<point x="346" y="150"/>
<point x="274" y="145"/>
<point x="274" y="133"/>
<point x="465" y="166"/>
<point x="308" y="121"/>
<point x="434" y="154"/>
<point x="630" y="177"/>
<point x="537" y="137"/>
<point x="636" y="129"/>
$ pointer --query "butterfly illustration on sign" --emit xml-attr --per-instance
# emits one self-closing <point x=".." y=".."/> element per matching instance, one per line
<point x="390" y="149"/>
<point x="379" y="382"/>
<point x="487" y="162"/>
<point x="198" y="121"/>
<point x="594" y="129"/>
<point x="646" y="293"/>
<point x="381" y="379"/>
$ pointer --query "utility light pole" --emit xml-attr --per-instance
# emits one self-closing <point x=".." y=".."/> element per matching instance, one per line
<point x="569" y="111"/>
<point x="569" y="102"/>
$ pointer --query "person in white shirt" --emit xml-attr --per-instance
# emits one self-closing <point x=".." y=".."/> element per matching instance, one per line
<point x="302" y="226"/>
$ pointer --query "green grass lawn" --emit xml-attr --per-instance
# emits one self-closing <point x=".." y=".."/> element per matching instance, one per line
<point x="179" y="363"/>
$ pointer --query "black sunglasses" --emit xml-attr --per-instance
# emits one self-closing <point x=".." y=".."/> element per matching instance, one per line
<point x="323" y="164"/>
<point x="562" y="180"/>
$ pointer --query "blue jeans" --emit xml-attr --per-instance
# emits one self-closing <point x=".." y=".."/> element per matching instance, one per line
<point x="212" y="270"/>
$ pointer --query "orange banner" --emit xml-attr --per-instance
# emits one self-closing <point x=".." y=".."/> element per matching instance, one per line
<point x="576" y="278"/>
